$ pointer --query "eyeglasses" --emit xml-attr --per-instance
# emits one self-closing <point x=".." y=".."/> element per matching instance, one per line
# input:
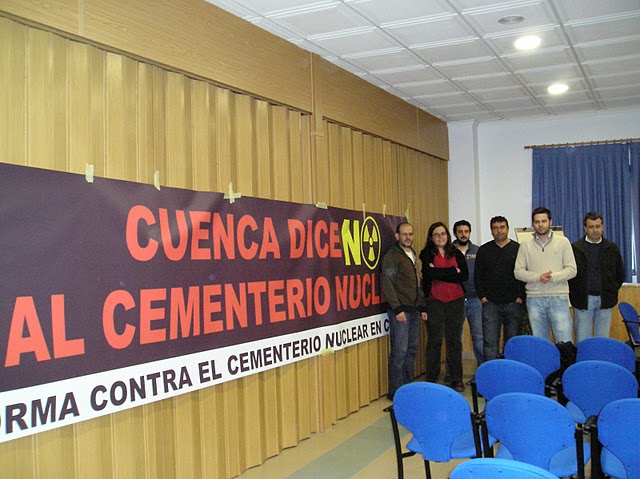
<point x="439" y="234"/>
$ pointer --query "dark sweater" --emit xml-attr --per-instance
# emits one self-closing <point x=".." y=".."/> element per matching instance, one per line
<point x="494" y="273"/>
<point x="611" y="275"/>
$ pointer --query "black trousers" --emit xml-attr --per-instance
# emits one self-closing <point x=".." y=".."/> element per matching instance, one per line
<point x="444" y="320"/>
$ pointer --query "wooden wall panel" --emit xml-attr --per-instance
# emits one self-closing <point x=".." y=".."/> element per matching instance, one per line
<point x="67" y="103"/>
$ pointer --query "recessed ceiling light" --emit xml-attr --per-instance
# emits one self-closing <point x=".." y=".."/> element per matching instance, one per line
<point x="510" y="20"/>
<point x="528" y="42"/>
<point x="557" y="88"/>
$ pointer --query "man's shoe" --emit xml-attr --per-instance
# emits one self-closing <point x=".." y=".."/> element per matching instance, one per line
<point x="457" y="386"/>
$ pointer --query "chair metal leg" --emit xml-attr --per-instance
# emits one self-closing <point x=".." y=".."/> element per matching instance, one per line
<point x="396" y="439"/>
<point x="427" y="469"/>
<point x="580" y="451"/>
<point x="596" y="450"/>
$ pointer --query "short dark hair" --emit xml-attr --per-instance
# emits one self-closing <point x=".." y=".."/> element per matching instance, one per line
<point x="541" y="210"/>
<point x="461" y="223"/>
<point x="593" y="216"/>
<point x="498" y="219"/>
<point x="401" y="225"/>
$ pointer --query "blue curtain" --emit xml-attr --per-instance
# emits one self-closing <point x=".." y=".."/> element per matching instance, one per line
<point x="572" y="181"/>
<point x="635" y="193"/>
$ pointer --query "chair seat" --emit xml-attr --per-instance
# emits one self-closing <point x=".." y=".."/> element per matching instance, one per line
<point x="462" y="447"/>
<point x="562" y="464"/>
<point x="576" y="413"/>
<point x="612" y="466"/>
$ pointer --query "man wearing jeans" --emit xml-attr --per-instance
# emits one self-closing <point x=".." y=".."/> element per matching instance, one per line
<point x="401" y="270"/>
<point x="594" y="290"/>
<point x="499" y="291"/>
<point x="545" y="263"/>
<point x="472" y="306"/>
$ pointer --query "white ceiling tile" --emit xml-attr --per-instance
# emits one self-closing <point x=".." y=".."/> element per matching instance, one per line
<point x="471" y="48"/>
<point x="378" y="11"/>
<point x="549" y="75"/>
<point x="360" y="42"/>
<point x="430" y="32"/>
<point x="511" y="104"/>
<point x="550" y="37"/>
<point x="612" y="93"/>
<point x="536" y="14"/>
<point x="328" y="19"/>
<point x="427" y="88"/>
<point x="602" y="50"/>
<point x="467" y="69"/>
<point x="500" y="93"/>
<point x="615" y="64"/>
<point x="538" y="59"/>
<point x="421" y="73"/>
<point x="377" y="61"/>
<point x="629" y="102"/>
<point x="572" y="10"/>
<point x="487" y="81"/>
<point x="603" y="30"/>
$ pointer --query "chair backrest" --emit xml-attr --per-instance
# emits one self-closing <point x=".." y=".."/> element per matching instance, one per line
<point x="539" y="353"/>
<point x="533" y="428"/>
<point x="490" y="468"/>
<point x="500" y="376"/>
<point x="607" y="349"/>
<point x="591" y="385"/>
<point x="436" y="415"/>
<point x="630" y="318"/>
<point x="619" y="433"/>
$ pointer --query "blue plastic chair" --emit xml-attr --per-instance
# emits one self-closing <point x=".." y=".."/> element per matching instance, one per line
<point x="607" y="349"/>
<point x="490" y="468"/>
<point x="441" y="423"/>
<point x="538" y="353"/>
<point x="590" y="386"/>
<point x="537" y="430"/>
<point x="632" y="322"/>
<point x="500" y="376"/>
<point x="619" y="433"/>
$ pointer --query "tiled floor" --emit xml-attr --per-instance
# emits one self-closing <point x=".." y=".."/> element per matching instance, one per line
<point x="359" y="446"/>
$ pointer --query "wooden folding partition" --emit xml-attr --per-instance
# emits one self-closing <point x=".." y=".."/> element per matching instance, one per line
<point x="67" y="104"/>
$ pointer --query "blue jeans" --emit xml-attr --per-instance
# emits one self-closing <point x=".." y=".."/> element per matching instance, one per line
<point x="473" y="312"/>
<point x="507" y="316"/>
<point x="404" y="347"/>
<point x="545" y="311"/>
<point x="593" y="321"/>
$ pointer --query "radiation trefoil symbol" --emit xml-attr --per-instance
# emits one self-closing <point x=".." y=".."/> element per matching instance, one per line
<point x="370" y="234"/>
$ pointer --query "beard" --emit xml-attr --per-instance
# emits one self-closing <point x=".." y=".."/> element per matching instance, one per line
<point x="463" y="243"/>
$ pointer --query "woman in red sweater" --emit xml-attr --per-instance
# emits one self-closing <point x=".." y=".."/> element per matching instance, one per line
<point x="444" y="269"/>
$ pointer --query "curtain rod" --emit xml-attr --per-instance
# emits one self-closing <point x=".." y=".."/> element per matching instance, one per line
<point x="582" y="143"/>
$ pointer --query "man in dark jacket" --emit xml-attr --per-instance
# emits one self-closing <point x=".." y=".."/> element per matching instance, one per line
<point x="594" y="290"/>
<point x="401" y="286"/>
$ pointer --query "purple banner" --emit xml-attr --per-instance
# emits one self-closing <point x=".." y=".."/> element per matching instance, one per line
<point x="112" y="274"/>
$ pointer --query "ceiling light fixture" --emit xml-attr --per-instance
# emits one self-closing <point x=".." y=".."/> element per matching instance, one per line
<point x="528" y="42"/>
<point x="511" y="20"/>
<point x="557" y="88"/>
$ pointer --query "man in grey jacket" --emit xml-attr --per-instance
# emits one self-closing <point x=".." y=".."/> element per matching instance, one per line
<point x="401" y="286"/>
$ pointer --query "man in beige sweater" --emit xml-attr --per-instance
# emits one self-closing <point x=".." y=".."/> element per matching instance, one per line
<point x="546" y="263"/>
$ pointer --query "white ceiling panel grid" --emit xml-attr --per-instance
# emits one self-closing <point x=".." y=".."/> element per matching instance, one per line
<point x="453" y="59"/>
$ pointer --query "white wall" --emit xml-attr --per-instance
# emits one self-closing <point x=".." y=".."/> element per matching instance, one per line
<point x="495" y="152"/>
